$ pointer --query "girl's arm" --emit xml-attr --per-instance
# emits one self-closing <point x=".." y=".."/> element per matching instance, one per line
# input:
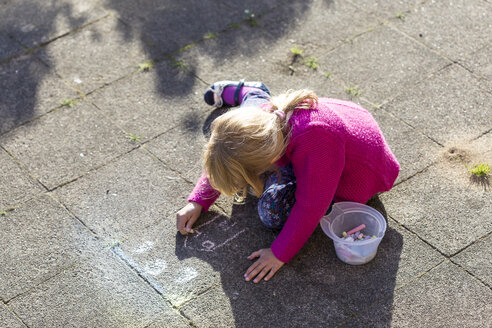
<point x="318" y="159"/>
<point x="203" y="193"/>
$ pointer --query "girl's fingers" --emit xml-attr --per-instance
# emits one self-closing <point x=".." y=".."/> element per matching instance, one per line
<point x="180" y="220"/>
<point x="180" y="225"/>
<point x="254" y="255"/>
<point x="189" y="224"/>
<point x="251" y="268"/>
<point x="272" y="272"/>
<point x="261" y="274"/>
<point x="183" y="231"/>
<point x="254" y="273"/>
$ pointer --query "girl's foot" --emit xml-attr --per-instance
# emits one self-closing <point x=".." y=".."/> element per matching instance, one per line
<point x="231" y="93"/>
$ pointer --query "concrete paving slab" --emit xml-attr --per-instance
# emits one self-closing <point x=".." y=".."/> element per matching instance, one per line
<point x="479" y="62"/>
<point x="442" y="207"/>
<point x="8" y="319"/>
<point x="415" y="257"/>
<point x="477" y="259"/>
<point x="292" y="22"/>
<point x="255" y="6"/>
<point x="166" y="97"/>
<point x="95" y="55"/>
<point x="160" y="23"/>
<point x="183" y="267"/>
<point x="38" y="240"/>
<point x="182" y="150"/>
<point x="315" y="274"/>
<point x="170" y="320"/>
<point x="413" y="150"/>
<point x="7" y="47"/>
<point x="16" y="185"/>
<point x="481" y="147"/>
<point x="264" y="52"/>
<point x="28" y="89"/>
<point x="125" y="196"/>
<point x="240" y="305"/>
<point x="352" y="323"/>
<point x="102" y="292"/>
<point x="468" y="30"/>
<point x="389" y="9"/>
<point x="460" y="157"/>
<point x="66" y="143"/>
<point x="32" y="22"/>
<point x="443" y="109"/>
<point x="381" y="63"/>
<point x="433" y="301"/>
<point x="261" y="67"/>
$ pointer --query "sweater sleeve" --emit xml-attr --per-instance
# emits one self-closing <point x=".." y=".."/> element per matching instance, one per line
<point x="203" y="193"/>
<point x="318" y="159"/>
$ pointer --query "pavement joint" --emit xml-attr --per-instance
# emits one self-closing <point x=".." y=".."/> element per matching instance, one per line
<point x="396" y="29"/>
<point x="128" y="261"/>
<point x="396" y="117"/>
<point x="471" y="65"/>
<point x="483" y="134"/>
<point x="32" y="50"/>
<point x="471" y="273"/>
<point x="419" y="237"/>
<point x="16" y="315"/>
<point x="95" y="168"/>
<point x="139" y="271"/>
<point x="447" y="257"/>
<point x="91" y="231"/>
<point x="191" y="183"/>
<point x="27" y="291"/>
<point x="20" y="53"/>
<point x="23" y="168"/>
<point x="471" y="244"/>
<point x="409" y="282"/>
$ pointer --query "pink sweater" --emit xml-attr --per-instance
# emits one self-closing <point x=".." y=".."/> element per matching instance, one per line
<point x="338" y="153"/>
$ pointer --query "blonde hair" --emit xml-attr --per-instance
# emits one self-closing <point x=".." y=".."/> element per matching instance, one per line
<point x="245" y="143"/>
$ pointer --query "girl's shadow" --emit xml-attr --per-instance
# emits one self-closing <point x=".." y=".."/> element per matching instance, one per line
<point x="315" y="289"/>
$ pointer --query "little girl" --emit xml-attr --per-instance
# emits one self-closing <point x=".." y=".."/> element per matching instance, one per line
<point x="298" y="152"/>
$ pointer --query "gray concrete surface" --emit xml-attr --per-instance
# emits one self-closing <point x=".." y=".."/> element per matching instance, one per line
<point x="97" y="155"/>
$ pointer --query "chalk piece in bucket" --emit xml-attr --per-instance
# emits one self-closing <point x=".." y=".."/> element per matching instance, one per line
<point x="358" y="228"/>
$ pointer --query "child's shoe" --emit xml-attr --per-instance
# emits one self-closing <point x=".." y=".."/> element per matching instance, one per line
<point x="228" y="92"/>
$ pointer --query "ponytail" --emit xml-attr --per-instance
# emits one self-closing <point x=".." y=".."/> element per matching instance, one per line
<point x="287" y="102"/>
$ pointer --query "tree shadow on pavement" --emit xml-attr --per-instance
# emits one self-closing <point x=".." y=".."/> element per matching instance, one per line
<point x="162" y="27"/>
<point x="168" y="28"/>
<point x="28" y="87"/>
<point x="315" y="289"/>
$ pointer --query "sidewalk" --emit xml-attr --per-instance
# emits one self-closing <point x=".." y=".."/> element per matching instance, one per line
<point x="102" y="124"/>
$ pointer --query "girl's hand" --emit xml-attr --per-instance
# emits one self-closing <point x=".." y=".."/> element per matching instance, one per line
<point x="267" y="263"/>
<point x="187" y="216"/>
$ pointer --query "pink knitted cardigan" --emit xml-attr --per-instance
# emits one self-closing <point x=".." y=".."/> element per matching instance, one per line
<point x="338" y="153"/>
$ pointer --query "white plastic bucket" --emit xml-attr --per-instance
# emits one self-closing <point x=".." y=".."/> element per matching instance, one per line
<point x="345" y="216"/>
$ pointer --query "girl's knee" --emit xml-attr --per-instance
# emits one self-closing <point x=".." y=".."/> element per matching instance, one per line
<point x="272" y="213"/>
<point x="269" y="219"/>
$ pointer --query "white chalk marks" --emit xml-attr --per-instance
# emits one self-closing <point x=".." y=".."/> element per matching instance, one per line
<point x="203" y="242"/>
<point x="145" y="247"/>
<point x="155" y="267"/>
<point x="186" y="275"/>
